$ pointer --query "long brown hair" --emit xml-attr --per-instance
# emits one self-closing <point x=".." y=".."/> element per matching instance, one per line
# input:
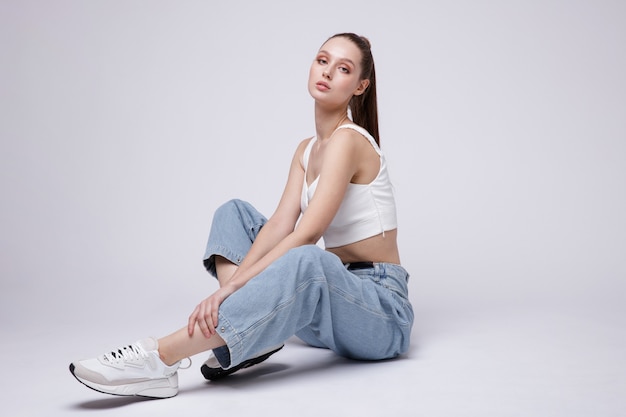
<point x="363" y="107"/>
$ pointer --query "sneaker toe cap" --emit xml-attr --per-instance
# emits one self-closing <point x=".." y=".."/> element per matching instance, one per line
<point x="82" y="371"/>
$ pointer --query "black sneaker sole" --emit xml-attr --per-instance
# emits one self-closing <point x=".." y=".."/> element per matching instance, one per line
<point x="213" y="374"/>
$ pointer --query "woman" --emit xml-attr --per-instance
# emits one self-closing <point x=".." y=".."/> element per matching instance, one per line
<point x="275" y="282"/>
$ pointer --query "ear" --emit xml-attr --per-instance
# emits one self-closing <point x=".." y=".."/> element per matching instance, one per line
<point x="362" y="87"/>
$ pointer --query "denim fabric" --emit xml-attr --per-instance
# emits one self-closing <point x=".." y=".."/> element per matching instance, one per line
<point x="234" y="228"/>
<point x="361" y="314"/>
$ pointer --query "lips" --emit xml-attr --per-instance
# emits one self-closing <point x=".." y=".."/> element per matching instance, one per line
<point x="321" y="85"/>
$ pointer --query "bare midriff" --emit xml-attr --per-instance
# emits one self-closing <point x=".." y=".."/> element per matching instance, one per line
<point x="379" y="248"/>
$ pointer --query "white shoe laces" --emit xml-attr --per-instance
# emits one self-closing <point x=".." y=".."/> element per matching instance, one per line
<point x="127" y="354"/>
<point x="132" y="353"/>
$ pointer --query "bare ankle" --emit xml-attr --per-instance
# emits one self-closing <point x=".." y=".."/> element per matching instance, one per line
<point x="164" y="356"/>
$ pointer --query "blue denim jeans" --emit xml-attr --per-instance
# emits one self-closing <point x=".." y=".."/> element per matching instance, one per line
<point x="308" y="292"/>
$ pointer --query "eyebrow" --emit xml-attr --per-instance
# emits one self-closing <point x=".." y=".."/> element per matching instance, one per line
<point x="348" y="60"/>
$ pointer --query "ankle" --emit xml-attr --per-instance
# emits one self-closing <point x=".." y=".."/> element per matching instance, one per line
<point x="165" y="357"/>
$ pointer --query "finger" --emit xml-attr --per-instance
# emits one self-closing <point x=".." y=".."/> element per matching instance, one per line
<point x="217" y="302"/>
<point x="204" y="328"/>
<point x="202" y="323"/>
<point x="209" y="322"/>
<point x="191" y="324"/>
<point x="215" y="317"/>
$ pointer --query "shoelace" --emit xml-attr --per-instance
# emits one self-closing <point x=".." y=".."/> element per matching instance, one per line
<point x="185" y="367"/>
<point x="131" y="353"/>
<point x="126" y="353"/>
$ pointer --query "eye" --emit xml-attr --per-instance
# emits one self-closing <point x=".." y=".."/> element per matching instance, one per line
<point x="322" y="61"/>
<point x="345" y="70"/>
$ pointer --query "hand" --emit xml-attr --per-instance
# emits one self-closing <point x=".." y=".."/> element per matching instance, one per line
<point x="205" y="313"/>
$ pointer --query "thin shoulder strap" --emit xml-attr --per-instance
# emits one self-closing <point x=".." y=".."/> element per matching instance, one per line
<point x="363" y="132"/>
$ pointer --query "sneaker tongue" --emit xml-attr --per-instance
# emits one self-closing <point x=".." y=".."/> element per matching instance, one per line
<point x="148" y="344"/>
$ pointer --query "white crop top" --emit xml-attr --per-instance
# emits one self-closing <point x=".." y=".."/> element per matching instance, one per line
<point x="366" y="210"/>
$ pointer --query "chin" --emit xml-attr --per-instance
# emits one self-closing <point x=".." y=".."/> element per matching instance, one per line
<point x="317" y="95"/>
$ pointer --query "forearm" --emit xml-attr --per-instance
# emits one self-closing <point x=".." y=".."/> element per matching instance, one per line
<point x="292" y="240"/>
<point x="308" y="231"/>
<point x="268" y="237"/>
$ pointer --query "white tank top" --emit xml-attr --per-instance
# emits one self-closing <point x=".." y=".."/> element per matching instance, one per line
<point x="366" y="210"/>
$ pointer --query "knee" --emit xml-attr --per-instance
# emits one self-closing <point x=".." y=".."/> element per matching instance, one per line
<point x="311" y="253"/>
<point x="229" y="207"/>
<point x="232" y="209"/>
<point x="312" y="257"/>
<point x="301" y="264"/>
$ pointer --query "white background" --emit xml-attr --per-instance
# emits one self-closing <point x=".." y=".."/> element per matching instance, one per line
<point x="125" y="124"/>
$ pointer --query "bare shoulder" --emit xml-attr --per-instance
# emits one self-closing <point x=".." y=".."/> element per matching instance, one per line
<point x="303" y="143"/>
<point x="355" y="148"/>
<point x="300" y="150"/>
<point x="351" y="140"/>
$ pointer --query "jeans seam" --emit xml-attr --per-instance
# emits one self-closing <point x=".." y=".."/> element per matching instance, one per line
<point x="282" y="305"/>
<point x="354" y="301"/>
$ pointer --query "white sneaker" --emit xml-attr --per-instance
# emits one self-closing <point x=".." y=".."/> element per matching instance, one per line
<point x="135" y="369"/>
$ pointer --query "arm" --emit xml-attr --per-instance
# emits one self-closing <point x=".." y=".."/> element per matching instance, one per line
<point x="284" y="219"/>
<point x="338" y="168"/>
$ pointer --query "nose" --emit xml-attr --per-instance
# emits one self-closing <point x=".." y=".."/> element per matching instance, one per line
<point x="326" y="74"/>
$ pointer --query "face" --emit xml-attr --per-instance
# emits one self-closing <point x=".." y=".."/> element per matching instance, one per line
<point x="335" y="74"/>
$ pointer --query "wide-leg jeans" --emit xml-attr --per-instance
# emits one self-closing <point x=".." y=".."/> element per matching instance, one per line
<point x="308" y="292"/>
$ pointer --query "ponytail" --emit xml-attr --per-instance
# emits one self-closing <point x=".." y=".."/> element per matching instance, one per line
<point x="364" y="108"/>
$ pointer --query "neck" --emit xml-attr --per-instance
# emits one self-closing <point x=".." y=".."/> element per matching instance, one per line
<point x="328" y="120"/>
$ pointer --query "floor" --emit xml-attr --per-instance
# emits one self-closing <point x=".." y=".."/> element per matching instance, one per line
<point x="468" y="358"/>
<point x="503" y="123"/>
